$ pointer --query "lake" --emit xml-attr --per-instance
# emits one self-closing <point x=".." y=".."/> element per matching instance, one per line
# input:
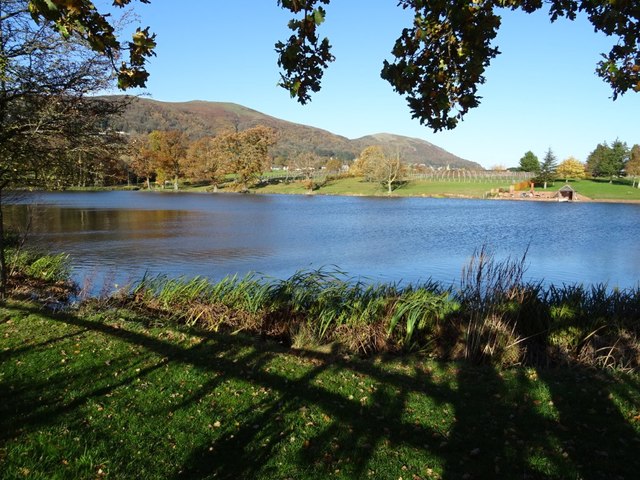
<point x="115" y="237"/>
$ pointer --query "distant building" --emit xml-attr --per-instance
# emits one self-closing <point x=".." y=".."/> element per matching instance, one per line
<point x="566" y="194"/>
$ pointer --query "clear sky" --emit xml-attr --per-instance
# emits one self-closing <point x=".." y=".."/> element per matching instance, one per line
<point x="541" y="92"/>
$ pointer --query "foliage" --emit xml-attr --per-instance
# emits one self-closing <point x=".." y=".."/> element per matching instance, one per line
<point x="548" y="167"/>
<point x="439" y="61"/>
<point x="529" y="162"/>
<point x="333" y="166"/>
<point x="633" y="165"/>
<point x="81" y="18"/>
<point x="210" y="119"/>
<point x="142" y="158"/>
<point x="247" y="153"/>
<point x="364" y="165"/>
<point x="168" y="150"/>
<point x="204" y="161"/>
<point x="375" y="165"/>
<point x="51" y="134"/>
<point x="303" y="57"/>
<point x="306" y="163"/>
<point x="570" y="168"/>
<point x="608" y="161"/>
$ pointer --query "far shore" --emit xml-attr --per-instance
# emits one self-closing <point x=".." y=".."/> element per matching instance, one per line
<point x="585" y="191"/>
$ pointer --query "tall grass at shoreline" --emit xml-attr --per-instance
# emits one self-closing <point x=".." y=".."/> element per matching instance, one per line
<point x="493" y="316"/>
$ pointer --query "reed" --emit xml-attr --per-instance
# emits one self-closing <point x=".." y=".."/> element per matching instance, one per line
<point x="493" y="316"/>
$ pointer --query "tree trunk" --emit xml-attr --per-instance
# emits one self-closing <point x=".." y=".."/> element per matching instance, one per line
<point x="3" y="259"/>
<point x="175" y="183"/>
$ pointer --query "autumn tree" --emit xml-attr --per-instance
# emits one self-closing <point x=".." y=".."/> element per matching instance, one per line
<point x="168" y="149"/>
<point x="246" y="153"/>
<point x="633" y="165"/>
<point x="206" y="161"/>
<point x="142" y="159"/>
<point x="570" y="168"/>
<point x="375" y="165"/>
<point x="390" y="170"/>
<point x="529" y="163"/>
<point x="440" y="59"/>
<point x="548" y="167"/>
<point x="333" y="165"/>
<point x="307" y="164"/>
<point x="363" y="166"/>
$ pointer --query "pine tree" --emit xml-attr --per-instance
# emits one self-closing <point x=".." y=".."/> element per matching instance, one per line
<point x="547" y="169"/>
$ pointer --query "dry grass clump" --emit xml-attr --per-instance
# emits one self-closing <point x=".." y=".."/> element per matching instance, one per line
<point x="494" y="316"/>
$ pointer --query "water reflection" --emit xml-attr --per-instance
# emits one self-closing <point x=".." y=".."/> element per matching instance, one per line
<point x="130" y="233"/>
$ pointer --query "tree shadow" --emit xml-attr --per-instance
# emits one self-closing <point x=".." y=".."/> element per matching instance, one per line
<point x="488" y="423"/>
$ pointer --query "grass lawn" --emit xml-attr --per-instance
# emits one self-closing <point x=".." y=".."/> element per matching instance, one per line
<point x="603" y="190"/>
<point x="112" y="395"/>
<point x="356" y="186"/>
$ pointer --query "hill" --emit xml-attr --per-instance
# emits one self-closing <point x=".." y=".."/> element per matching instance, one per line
<point x="200" y="118"/>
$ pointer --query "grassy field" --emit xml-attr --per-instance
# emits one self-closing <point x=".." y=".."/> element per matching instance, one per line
<point x="603" y="190"/>
<point x="356" y="186"/>
<point x="112" y="394"/>
<point x="594" y="189"/>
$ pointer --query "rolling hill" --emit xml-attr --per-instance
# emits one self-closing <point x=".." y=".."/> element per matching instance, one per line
<point x="200" y="118"/>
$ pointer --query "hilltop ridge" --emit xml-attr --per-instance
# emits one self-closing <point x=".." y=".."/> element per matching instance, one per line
<point x="198" y="118"/>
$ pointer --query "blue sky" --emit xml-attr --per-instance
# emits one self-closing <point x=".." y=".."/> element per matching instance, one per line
<point x="541" y="92"/>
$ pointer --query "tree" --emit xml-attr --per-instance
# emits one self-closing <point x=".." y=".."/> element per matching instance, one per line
<point x="80" y="18"/>
<point x="142" y="159"/>
<point x="440" y="59"/>
<point x="333" y="165"/>
<point x="596" y="158"/>
<point x="307" y="163"/>
<point x="246" y="153"/>
<point x="47" y="122"/>
<point x="377" y="166"/>
<point x="570" y="168"/>
<point x="633" y="165"/>
<point x="389" y="171"/>
<point x="548" y="167"/>
<point x="168" y="149"/>
<point x="608" y="161"/>
<point x="254" y="154"/>
<point x="205" y="161"/>
<point x="529" y="163"/>
<point x="364" y="165"/>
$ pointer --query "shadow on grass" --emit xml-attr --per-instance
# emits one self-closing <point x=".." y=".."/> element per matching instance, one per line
<point x="410" y="421"/>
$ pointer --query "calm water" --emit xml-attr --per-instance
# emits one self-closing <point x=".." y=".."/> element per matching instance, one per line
<point x="115" y="237"/>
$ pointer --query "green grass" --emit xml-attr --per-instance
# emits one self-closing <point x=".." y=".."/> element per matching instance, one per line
<point x="599" y="189"/>
<point x="594" y="189"/>
<point x="603" y="190"/>
<point x="110" y="394"/>
<point x="356" y="186"/>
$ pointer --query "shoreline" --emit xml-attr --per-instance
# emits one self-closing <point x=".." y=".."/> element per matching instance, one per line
<point x="539" y="196"/>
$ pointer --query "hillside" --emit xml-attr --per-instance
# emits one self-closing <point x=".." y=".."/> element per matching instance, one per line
<point x="199" y="118"/>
